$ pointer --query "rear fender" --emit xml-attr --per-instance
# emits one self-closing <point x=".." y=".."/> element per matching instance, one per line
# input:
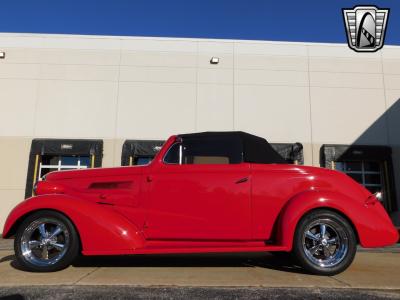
<point x="371" y="223"/>
<point x="101" y="229"/>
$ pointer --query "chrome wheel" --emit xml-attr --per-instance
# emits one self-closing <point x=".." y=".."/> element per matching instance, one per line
<point x="325" y="243"/>
<point x="45" y="241"/>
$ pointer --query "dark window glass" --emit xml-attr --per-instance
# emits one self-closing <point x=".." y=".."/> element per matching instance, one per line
<point x="356" y="177"/>
<point x="367" y="173"/>
<point x="69" y="160"/>
<point x="85" y="161"/>
<point x="374" y="189"/>
<point x="205" y="151"/>
<point x="372" y="166"/>
<point x="143" y="160"/>
<point x="50" y="160"/>
<point x="44" y="171"/>
<point x="372" y="179"/>
<point x="353" y="166"/>
<point x="172" y="156"/>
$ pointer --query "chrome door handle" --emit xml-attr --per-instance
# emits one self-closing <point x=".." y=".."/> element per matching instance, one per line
<point x="245" y="179"/>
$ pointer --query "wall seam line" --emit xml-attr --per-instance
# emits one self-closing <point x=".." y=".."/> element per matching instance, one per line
<point x="233" y="85"/>
<point x="385" y="99"/>
<point x="310" y="105"/>
<point x="117" y="103"/>
<point x="196" y="108"/>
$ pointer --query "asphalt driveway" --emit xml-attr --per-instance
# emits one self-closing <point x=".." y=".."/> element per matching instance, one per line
<point x="192" y="293"/>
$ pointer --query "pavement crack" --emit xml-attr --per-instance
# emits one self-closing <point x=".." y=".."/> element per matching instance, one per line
<point x="341" y="281"/>
<point x="86" y="275"/>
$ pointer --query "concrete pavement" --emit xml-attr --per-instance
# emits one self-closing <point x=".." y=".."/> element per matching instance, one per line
<point x="378" y="271"/>
<point x="374" y="275"/>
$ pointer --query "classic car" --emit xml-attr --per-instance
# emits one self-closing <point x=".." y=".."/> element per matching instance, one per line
<point x="202" y="193"/>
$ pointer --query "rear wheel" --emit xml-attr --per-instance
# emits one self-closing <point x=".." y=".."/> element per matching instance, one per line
<point x="324" y="243"/>
<point x="46" y="241"/>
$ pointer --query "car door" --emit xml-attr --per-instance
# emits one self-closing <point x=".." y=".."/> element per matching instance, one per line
<point x="199" y="196"/>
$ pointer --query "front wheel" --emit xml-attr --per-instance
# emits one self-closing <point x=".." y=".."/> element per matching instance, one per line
<point x="46" y="241"/>
<point x="324" y="243"/>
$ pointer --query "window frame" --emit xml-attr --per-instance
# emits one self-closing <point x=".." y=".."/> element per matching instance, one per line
<point x="60" y="147"/>
<point x="180" y="163"/>
<point x="60" y="166"/>
<point x="332" y="153"/>
<point x="167" y="152"/>
<point x="363" y="173"/>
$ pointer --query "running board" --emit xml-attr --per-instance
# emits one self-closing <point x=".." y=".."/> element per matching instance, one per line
<point x="199" y="250"/>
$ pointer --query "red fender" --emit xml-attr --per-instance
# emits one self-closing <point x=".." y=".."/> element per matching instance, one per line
<point x="101" y="229"/>
<point x="370" y="220"/>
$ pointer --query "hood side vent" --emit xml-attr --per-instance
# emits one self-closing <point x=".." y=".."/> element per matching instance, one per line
<point x="110" y="185"/>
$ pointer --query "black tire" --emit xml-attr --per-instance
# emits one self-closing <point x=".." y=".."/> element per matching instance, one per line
<point x="34" y="263"/>
<point x="313" y="253"/>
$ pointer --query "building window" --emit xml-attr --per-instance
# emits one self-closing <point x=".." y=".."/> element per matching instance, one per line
<point x="49" y="163"/>
<point x="368" y="173"/>
<point x="139" y="152"/>
<point x="371" y="166"/>
<point x="49" y="155"/>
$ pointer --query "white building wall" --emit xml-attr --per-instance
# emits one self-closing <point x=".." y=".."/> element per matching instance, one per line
<point x="117" y="88"/>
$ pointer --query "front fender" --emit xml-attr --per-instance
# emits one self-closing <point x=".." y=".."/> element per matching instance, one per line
<point x="371" y="222"/>
<point x="101" y="229"/>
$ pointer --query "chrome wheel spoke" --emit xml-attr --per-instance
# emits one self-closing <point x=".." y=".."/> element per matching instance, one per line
<point x="34" y="244"/>
<point x="311" y="236"/>
<point x="314" y="249"/>
<point x="56" y="232"/>
<point x="42" y="230"/>
<point x="45" y="241"/>
<point x="322" y="228"/>
<point x="324" y="243"/>
<point x="58" y="246"/>
<point x="332" y="241"/>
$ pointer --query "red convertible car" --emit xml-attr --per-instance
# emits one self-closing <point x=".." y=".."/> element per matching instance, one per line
<point x="203" y="192"/>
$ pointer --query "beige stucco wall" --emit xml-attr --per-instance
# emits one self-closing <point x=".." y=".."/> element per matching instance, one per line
<point x="117" y="88"/>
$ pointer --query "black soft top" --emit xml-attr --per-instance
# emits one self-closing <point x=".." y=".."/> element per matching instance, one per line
<point x="254" y="149"/>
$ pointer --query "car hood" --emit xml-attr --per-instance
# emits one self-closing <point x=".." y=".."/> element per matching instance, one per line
<point x="93" y="173"/>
